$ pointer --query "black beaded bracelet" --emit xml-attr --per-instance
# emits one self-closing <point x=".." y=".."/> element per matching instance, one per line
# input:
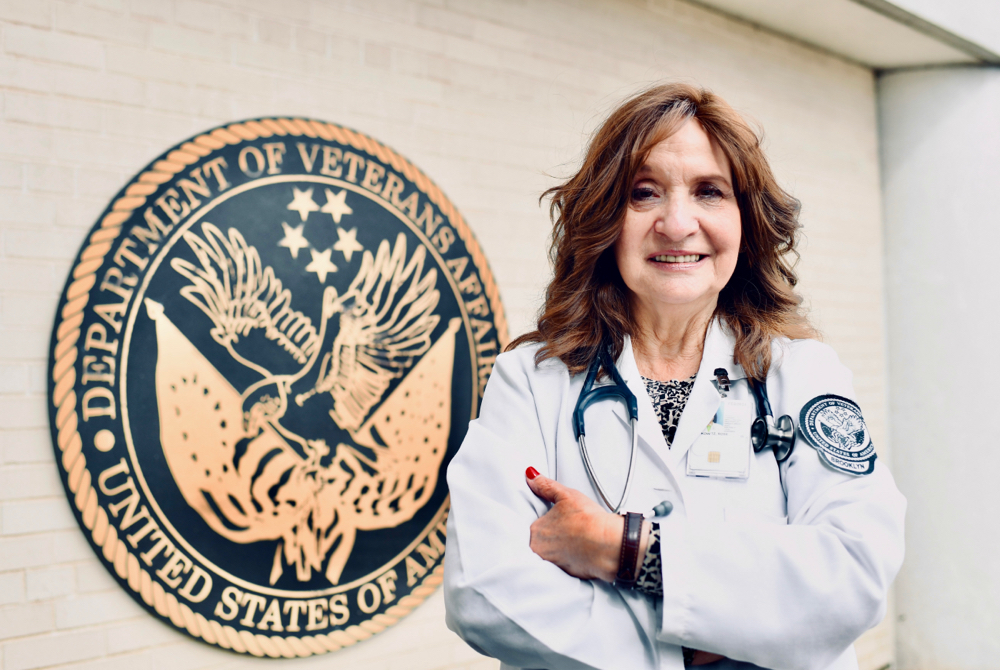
<point x="631" y="536"/>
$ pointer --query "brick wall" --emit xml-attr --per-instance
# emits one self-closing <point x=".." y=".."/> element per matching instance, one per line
<point x="493" y="99"/>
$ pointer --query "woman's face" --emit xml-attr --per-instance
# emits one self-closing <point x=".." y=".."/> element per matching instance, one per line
<point x="681" y="236"/>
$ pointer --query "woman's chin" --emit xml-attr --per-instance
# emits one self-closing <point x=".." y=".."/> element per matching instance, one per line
<point x="678" y="300"/>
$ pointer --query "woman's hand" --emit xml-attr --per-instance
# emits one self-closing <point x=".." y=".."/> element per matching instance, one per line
<point x="582" y="538"/>
<point x="576" y="534"/>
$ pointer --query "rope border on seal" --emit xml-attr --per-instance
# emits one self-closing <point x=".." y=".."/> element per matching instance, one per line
<point x="79" y="480"/>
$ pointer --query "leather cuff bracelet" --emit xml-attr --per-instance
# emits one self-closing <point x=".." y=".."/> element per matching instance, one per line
<point x="631" y="536"/>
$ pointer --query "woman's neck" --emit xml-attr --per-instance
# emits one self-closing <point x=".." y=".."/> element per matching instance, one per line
<point x="669" y="345"/>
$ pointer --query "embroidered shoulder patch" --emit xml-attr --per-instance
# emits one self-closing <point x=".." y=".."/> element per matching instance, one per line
<point x="833" y="425"/>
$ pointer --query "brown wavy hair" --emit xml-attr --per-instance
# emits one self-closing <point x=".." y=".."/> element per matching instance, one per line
<point x="587" y="303"/>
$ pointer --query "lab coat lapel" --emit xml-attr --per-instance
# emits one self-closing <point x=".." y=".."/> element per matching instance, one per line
<point x="705" y="397"/>
<point x="652" y="449"/>
<point x="701" y="406"/>
<point x="650" y="433"/>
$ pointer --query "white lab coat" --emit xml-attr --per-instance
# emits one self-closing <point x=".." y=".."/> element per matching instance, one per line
<point x="783" y="571"/>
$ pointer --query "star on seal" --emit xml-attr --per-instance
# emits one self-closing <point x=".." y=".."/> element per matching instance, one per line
<point x="303" y="202"/>
<point x="336" y="205"/>
<point x="321" y="264"/>
<point x="347" y="243"/>
<point x="293" y="239"/>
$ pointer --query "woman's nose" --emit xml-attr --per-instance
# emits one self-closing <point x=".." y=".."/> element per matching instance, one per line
<point x="676" y="218"/>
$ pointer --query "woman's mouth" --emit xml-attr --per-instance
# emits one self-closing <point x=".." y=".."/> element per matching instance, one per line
<point x="688" y="258"/>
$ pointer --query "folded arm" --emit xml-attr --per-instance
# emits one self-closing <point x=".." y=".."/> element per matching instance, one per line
<point x="502" y="597"/>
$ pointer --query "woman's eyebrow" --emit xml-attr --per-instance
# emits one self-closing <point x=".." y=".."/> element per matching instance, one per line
<point x="647" y="169"/>
<point x="717" y="177"/>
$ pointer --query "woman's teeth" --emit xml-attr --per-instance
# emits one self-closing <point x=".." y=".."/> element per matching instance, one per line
<point x="692" y="258"/>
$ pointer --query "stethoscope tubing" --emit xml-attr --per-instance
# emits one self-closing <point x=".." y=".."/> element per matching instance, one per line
<point x="593" y="474"/>
<point x="590" y="395"/>
<point x="780" y="437"/>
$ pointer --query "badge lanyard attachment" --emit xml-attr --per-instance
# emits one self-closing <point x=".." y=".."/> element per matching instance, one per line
<point x="765" y="432"/>
<point x="722" y="379"/>
<point x="589" y="395"/>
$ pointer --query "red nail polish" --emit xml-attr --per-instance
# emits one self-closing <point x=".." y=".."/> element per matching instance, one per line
<point x="531" y="473"/>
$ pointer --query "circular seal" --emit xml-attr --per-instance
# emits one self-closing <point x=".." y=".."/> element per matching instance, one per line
<point x="268" y="350"/>
<point x="833" y="425"/>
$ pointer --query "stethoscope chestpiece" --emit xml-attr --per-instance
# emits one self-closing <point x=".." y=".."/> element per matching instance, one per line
<point x="784" y="438"/>
<point x="780" y="437"/>
<point x="764" y="432"/>
<point x="758" y="434"/>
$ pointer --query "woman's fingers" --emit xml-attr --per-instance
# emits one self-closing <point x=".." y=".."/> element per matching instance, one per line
<point x="576" y="533"/>
<point x="547" y="489"/>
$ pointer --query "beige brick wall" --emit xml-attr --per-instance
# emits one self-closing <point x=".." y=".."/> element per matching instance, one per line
<point x="493" y="99"/>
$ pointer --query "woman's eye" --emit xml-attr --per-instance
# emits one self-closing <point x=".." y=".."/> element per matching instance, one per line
<point x="643" y="193"/>
<point x="710" y="192"/>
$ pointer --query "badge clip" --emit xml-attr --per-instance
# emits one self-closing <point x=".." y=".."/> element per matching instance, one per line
<point x="722" y="379"/>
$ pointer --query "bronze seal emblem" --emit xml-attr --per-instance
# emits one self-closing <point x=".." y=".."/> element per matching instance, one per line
<point x="265" y="356"/>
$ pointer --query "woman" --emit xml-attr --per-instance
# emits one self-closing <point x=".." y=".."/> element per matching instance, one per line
<point x="670" y="250"/>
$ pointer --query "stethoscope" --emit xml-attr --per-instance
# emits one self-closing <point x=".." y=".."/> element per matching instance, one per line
<point x="588" y="396"/>
<point x="764" y="432"/>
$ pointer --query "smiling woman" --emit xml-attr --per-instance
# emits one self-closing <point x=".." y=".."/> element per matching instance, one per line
<point x="681" y="237"/>
<point x="630" y="172"/>
<point x="672" y="282"/>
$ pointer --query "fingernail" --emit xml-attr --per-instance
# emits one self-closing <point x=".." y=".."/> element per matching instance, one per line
<point x="531" y="473"/>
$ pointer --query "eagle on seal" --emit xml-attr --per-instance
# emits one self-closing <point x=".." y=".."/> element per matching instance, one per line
<point x="238" y="457"/>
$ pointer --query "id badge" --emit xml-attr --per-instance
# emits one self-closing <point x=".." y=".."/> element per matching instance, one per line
<point x="723" y="448"/>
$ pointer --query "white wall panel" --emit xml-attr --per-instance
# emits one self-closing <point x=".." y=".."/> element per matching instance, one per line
<point x="941" y="165"/>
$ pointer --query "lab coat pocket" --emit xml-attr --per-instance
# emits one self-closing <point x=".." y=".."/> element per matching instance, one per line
<point x="744" y="515"/>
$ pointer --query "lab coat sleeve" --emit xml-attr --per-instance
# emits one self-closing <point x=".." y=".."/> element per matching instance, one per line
<point x="501" y="597"/>
<point x="790" y="596"/>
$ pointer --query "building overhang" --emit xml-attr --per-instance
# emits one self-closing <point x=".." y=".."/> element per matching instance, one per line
<point x="876" y="33"/>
